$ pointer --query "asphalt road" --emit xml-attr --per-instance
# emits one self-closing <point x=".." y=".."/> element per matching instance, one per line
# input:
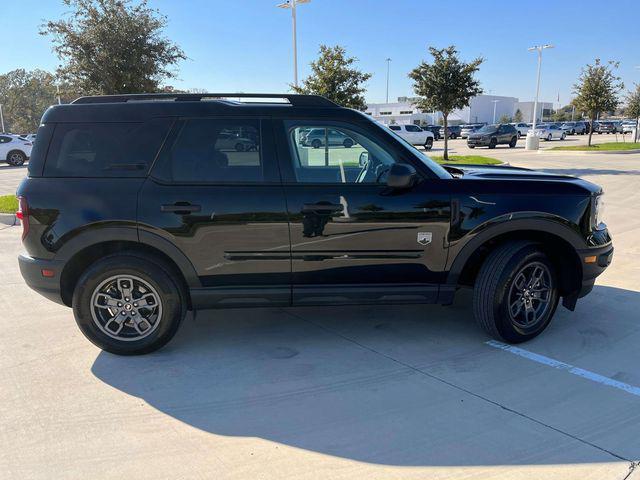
<point x="332" y="393"/>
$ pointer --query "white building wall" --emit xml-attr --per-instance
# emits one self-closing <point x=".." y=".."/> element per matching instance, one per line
<point x="527" y="110"/>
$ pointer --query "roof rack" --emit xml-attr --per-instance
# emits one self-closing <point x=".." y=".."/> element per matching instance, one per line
<point x="295" y="100"/>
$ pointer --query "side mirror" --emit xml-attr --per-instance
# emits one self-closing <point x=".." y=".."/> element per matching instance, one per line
<point x="401" y="175"/>
<point x="364" y="159"/>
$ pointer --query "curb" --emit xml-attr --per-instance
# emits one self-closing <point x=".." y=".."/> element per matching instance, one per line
<point x="8" y="219"/>
<point x="587" y="152"/>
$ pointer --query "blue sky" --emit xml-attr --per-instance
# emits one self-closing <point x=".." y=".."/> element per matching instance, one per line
<point x="245" y="45"/>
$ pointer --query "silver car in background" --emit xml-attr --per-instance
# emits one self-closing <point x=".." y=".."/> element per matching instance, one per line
<point x="548" y="132"/>
<point x="466" y="130"/>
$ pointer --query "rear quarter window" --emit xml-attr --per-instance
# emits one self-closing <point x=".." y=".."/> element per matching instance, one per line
<point x="123" y="149"/>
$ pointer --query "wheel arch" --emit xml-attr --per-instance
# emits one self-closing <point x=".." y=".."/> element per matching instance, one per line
<point x="89" y="248"/>
<point x="555" y="242"/>
<point x="16" y="150"/>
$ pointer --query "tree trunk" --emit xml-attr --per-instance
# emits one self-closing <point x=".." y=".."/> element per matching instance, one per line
<point x="591" y="131"/>
<point x="446" y="136"/>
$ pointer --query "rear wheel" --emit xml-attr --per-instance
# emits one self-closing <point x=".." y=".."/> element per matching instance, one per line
<point x="516" y="294"/>
<point x="549" y="138"/>
<point x="428" y="144"/>
<point x="316" y="143"/>
<point x="513" y="142"/>
<point x="239" y="147"/>
<point x="128" y="305"/>
<point x="564" y="135"/>
<point x="347" y="143"/>
<point x="16" y="158"/>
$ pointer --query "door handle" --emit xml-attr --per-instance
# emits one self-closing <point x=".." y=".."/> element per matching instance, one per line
<point x="181" y="208"/>
<point x="323" y="207"/>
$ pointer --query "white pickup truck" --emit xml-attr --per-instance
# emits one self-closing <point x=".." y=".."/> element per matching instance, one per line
<point x="414" y="135"/>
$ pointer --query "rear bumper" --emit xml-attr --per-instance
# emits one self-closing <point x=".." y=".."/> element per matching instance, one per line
<point x="31" y="270"/>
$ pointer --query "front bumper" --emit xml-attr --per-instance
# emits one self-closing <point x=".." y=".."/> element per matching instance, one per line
<point x="478" y="142"/>
<point x="594" y="262"/>
<point x="31" y="270"/>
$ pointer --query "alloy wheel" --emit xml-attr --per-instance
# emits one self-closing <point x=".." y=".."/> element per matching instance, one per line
<point x="530" y="295"/>
<point x="126" y="307"/>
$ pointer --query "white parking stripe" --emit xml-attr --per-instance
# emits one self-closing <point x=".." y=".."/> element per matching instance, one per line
<point x="580" y="372"/>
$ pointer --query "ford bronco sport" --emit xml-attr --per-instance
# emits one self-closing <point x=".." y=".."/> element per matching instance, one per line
<point x="138" y="208"/>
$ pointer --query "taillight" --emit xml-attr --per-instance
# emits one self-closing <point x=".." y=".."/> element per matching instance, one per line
<point x="23" y="215"/>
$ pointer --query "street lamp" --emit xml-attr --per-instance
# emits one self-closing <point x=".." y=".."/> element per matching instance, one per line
<point x="388" y="63"/>
<point x="292" y="5"/>
<point x="495" y="104"/>
<point x="532" y="141"/>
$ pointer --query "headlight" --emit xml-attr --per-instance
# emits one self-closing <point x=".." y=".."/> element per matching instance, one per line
<point x="598" y="211"/>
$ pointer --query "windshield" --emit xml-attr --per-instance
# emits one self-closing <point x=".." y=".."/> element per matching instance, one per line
<point x="487" y="129"/>
<point x="432" y="165"/>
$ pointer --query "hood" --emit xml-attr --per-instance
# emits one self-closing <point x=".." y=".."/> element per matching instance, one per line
<point x="517" y="174"/>
<point x="476" y="135"/>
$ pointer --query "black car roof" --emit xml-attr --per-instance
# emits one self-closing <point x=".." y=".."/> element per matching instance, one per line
<point x="139" y="107"/>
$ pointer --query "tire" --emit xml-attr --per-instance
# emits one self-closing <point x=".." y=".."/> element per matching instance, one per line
<point x="519" y="135"/>
<point x="573" y="131"/>
<point x="492" y="143"/>
<point x="428" y="144"/>
<point x="471" y="146"/>
<point x="498" y="284"/>
<point x="150" y="280"/>
<point x="549" y="138"/>
<point x="16" y="158"/>
<point x="347" y="143"/>
<point x="316" y="143"/>
<point x="239" y="147"/>
<point x="564" y="136"/>
<point x="513" y="142"/>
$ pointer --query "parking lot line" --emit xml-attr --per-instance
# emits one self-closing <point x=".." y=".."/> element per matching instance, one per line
<point x="580" y="372"/>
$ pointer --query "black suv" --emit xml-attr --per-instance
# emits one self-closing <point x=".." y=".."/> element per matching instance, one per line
<point x="139" y="208"/>
<point x="492" y="135"/>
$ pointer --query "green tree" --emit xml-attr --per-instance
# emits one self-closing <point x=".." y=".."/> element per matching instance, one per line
<point x="517" y="117"/>
<point x="505" y="118"/>
<point x="24" y="96"/>
<point x="113" y="46"/>
<point x="597" y="90"/>
<point x="335" y="77"/>
<point x="633" y="109"/>
<point x="445" y="85"/>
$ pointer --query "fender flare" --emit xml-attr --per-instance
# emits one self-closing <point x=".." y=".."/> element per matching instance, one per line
<point x="543" y="225"/>
<point x="131" y="234"/>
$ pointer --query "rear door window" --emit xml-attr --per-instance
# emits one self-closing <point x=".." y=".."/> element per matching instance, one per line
<point x="105" y="149"/>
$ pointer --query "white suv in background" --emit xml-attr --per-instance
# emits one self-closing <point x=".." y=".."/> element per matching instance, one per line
<point x="414" y="135"/>
<point x="522" y="128"/>
<point x="14" y="150"/>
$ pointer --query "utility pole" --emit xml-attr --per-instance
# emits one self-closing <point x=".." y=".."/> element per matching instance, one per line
<point x="1" y="118"/>
<point x="533" y="142"/>
<point x="291" y="4"/>
<point x="388" y="63"/>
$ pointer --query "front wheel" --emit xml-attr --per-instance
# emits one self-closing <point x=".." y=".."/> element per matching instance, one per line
<point x="492" y="143"/>
<point x="564" y="136"/>
<point x="128" y="305"/>
<point x="347" y="143"/>
<point x="549" y="138"/>
<point x="516" y="293"/>
<point x="428" y="144"/>
<point x="316" y="143"/>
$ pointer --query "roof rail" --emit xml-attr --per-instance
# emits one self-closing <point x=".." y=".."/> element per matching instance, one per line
<point x="296" y="100"/>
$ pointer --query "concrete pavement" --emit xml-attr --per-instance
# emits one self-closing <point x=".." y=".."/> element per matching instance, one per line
<point x="340" y="392"/>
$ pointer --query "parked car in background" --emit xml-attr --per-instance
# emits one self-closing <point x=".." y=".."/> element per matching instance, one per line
<point x="435" y="129"/>
<point x="414" y="135"/>
<point x="606" y="127"/>
<point x="14" y="150"/>
<point x="618" y="126"/>
<point x="549" y="131"/>
<point x="454" y="131"/>
<point x="318" y="137"/>
<point x="574" y="128"/>
<point x="31" y="137"/>
<point x="522" y="128"/>
<point x="466" y="130"/>
<point x="628" y="126"/>
<point x="492" y="135"/>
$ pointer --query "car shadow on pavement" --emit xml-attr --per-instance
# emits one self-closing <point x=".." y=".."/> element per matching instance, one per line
<point x="393" y="385"/>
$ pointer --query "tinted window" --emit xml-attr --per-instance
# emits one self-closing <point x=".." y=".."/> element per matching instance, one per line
<point x="395" y="127"/>
<point x="337" y="155"/>
<point x="488" y="129"/>
<point x="5" y="139"/>
<point x="213" y="151"/>
<point x="104" y="149"/>
<point x="413" y="128"/>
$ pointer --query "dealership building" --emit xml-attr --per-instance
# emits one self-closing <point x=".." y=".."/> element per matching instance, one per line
<point x="480" y="110"/>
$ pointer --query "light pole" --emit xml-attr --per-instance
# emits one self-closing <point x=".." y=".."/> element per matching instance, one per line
<point x="388" y="63"/>
<point x="292" y="5"/>
<point x="532" y="140"/>
<point x="1" y="118"/>
<point x="495" y="104"/>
